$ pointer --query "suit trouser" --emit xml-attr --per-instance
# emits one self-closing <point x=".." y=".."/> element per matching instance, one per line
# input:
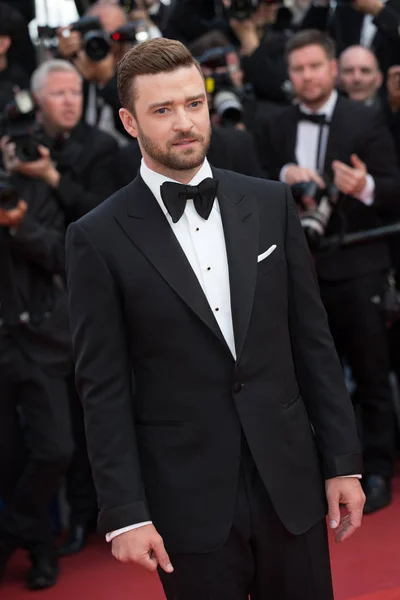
<point x="361" y="338"/>
<point x="260" y="558"/>
<point x="80" y="490"/>
<point x="35" y="447"/>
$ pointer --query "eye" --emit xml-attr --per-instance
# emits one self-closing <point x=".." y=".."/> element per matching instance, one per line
<point x="196" y="104"/>
<point x="160" y="111"/>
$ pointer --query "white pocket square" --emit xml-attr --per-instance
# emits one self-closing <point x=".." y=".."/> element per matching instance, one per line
<point x="266" y="253"/>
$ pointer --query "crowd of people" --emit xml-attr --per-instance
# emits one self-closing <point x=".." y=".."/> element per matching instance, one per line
<point x="307" y="94"/>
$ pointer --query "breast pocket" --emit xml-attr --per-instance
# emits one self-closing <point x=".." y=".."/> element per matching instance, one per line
<point x="271" y="261"/>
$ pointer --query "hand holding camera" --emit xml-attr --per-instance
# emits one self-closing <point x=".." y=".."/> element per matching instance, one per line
<point x="42" y="168"/>
<point x="69" y="42"/>
<point x="13" y="217"/>
<point x="295" y="174"/>
<point x="350" y="180"/>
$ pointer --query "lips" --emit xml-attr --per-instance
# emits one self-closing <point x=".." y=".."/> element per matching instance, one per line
<point x="185" y="142"/>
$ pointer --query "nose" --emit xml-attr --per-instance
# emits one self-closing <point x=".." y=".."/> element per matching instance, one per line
<point x="182" y="121"/>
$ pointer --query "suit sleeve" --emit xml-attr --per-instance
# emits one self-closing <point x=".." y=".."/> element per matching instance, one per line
<point x="104" y="383"/>
<point x="318" y="369"/>
<point x="376" y="148"/>
<point x="80" y="194"/>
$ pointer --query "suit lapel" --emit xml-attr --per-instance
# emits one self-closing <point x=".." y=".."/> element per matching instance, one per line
<point x="146" y="226"/>
<point x="240" y="221"/>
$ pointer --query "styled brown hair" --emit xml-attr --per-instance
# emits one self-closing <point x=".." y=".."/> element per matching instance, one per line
<point x="160" y="55"/>
<point x="311" y="37"/>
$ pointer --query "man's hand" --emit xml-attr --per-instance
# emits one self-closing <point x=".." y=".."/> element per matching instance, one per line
<point x="13" y="217"/>
<point x="42" y="168"/>
<point x="101" y="71"/>
<point x="143" y="546"/>
<point x="350" y="180"/>
<point x="368" y="7"/>
<point x="346" y="491"/>
<point x="69" y="42"/>
<point x="295" y="174"/>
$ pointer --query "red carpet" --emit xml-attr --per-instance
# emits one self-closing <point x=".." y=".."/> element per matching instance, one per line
<point x="366" y="567"/>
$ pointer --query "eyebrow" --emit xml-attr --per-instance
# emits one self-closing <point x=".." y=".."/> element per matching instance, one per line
<point x="188" y="100"/>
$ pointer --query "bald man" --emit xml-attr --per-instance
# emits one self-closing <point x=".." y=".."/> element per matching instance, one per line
<point x="359" y="74"/>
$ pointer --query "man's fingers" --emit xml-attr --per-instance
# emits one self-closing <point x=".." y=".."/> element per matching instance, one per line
<point x="333" y="511"/>
<point x="162" y="556"/>
<point x="357" y="162"/>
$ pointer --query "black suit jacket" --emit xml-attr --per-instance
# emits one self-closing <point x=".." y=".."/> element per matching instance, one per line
<point x="166" y="403"/>
<point x="358" y="129"/>
<point x="345" y="25"/>
<point x="86" y="162"/>
<point x="229" y="149"/>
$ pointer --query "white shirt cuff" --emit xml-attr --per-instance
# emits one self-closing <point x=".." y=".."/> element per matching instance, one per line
<point x="282" y="173"/>
<point x="367" y="195"/>
<point x="113" y="534"/>
<point x="358" y="476"/>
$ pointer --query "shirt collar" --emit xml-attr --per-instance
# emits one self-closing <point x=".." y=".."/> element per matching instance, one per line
<point x="327" y="109"/>
<point x="155" y="180"/>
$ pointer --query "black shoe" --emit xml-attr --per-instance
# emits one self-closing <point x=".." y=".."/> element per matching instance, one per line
<point x="7" y="547"/>
<point x="75" y="542"/>
<point x="43" y="573"/>
<point x="378" y="493"/>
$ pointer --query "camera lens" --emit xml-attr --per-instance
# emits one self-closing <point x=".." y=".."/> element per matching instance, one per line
<point x="97" y="45"/>
<point x="228" y="106"/>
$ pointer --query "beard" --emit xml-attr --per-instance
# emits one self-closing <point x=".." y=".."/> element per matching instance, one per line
<point x="184" y="160"/>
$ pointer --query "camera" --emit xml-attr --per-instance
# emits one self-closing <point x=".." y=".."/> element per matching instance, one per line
<point x="243" y="9"/>
<point x="19" y="124"/>
<point x="96" y="42"/>
<point x="9" y="196"/>
<point x="226" y="98"/>
<point x="315" y="220"/>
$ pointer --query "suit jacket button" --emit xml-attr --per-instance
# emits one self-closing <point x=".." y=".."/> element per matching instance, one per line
<point x="238" y="387"/>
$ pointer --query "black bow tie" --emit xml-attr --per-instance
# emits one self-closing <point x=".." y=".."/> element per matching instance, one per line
<point x="175" y="196"/>
<point x="312" y="118"/>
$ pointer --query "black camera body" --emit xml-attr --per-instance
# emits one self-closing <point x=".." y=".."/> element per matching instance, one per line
<point x="243" y="9"/>
<point x="96" y="42"/>
<point x="18" y="122"/>
<point x="226" y="98"/>
<point x="315" y="220"/>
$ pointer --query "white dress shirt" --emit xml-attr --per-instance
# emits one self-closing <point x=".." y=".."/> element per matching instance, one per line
<point x="368" y="30"/>
<point x="203" y="242"/>
<point x="307" y="147"/>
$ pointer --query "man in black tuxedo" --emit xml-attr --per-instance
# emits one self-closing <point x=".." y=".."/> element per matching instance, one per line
<point x="203" y="357"/>
<point x="327" y="138"/>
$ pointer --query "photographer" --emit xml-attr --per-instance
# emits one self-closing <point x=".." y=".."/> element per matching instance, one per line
<point x="374" y="24"/>
<point x="262" y="35"/>
<point x="100" y="83"/>
<point x="11" y="74"/>
<point x="75" y="160"/>
<point x="327" y="140"/>
<point x="35" y="355"/>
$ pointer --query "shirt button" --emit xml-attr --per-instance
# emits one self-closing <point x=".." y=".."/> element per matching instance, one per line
<point x="208" y="268"/>
<point x="237" y="387"/>
<point x="217" y="309"/>
<point x="197" y="229"/>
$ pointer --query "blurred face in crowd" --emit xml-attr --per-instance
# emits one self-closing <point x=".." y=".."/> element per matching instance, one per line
<point x="393" y="87"/>
<point x="111" y="17"/>
<point x="313" y="75"/>
<point x="171" y="120"/>
<point x="359" y="75"/>
<point x="60" y="101"/>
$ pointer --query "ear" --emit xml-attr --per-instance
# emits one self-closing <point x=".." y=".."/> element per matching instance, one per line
<point x="129" y="122"/>
<point x="5" y="43"/>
